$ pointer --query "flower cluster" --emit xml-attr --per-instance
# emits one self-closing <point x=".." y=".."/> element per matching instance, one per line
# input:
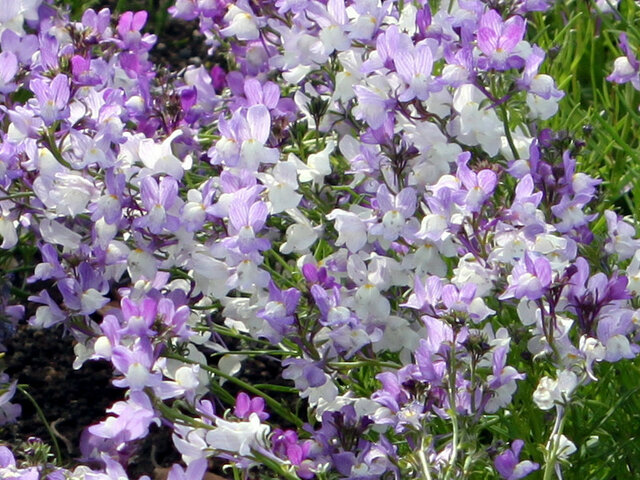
<point x="363" y="192"/>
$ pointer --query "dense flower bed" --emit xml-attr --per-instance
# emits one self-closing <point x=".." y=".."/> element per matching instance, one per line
<point x="360" y="189"/>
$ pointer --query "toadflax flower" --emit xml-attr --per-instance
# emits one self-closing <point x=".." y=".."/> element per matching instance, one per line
<point x="509" y="467"/>
<point x="529" y="278"/>
<point x="238" y="437"/>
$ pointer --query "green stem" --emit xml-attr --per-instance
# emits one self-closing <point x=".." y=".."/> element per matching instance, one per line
<point x="53" y="147"/>
<point x="426" y="474"/>
<point x="13" y="196"/>
<point x="362" y="363"/>
<point x="507" y="132"/>
<point x="173" y="415"/>
<point x="453" y="413"/>
<point x="552" y="445"/>
<point x="40" y="413"/>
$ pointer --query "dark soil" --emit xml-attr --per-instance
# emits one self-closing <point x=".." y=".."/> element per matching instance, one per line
<point x="70" y="399"/>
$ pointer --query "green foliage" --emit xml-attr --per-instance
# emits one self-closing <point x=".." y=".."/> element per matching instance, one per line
<point x="599" y="113"/>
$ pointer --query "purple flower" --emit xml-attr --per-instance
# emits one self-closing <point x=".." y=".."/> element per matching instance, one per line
<point x="627" y="68"/>
<point x="86" y="293"/>
<point x="392" y="395"/>
<point x="281" y="308"/>
<point x="130" y="422"/>
<point x="130" y="27"/>
<point x="431" y="354"/>
<point x="479" y="186"/>
<point x="319" y="275"/>
<point x="509" y="467"/>
<point x="246" y="405"/>
<point x="498" y="40"/>
<point x="53" y="97"/>
<point x="136" y="366"/>
<point x="8" y="70"/>
<point x="286" y="445"/>
<point x="158" y="198"/>
<point x="414" y="67"/>
<point x="97" y="22"/>
<point x="247" y="216"/>
<point x="138" y="316"/>
<point x="396" y="210"/>
<point x="530" y="278"/>
<point x="194" y="471"/>
<point x="591" y="297"/>
<point x="373" y="106"/>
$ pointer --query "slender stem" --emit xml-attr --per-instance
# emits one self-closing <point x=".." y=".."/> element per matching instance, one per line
<point x="507" y="133"/>
<point x="174" y="415"/>
<point x="53" y="148"/>
<point x="426" y="474"/>
<point x="12" y="196"/>
<point x="362" y="363"/>
<point x="452" y="411"/>
<point x="40" y="413"/>
<point x="554" y="443"/>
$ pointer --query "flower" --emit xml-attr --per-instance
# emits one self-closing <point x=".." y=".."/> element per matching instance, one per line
<point x="509" y="467"/>
<point x="238" y="437"/>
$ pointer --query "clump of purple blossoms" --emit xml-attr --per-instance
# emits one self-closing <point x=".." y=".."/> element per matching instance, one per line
<point x="344" y="200"/>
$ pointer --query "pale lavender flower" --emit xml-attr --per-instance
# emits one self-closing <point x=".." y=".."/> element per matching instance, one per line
<point x="570" y="212"/>
<point x="266" y="94"/>
<point x="396" y="211"/>
<point x="479" y="186"/>
<point x="129" y="28"/>
<point x="530" y="278"/>
<point x="86" y="294"/>
<point x="8" y="70"/>
<point x="247" y="217"/>
<point x="131" y="419"/>
<point x="620" y="237"/>
<point x="414" y="68"/>
<point x="373" y="106"/>
<point x="194" y="471"/>
<point x="502" y="382"/>
<point x="627" y="68"/>
<point x="9" y="412"/>
<point x="498" y="40"/>
<point x="135" y="365"/>
<point x="158" y="197"/>
<point x="22" y="46"/>
<point x="53" y="97"/>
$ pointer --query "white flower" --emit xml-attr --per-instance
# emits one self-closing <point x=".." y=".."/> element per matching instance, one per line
<point x="317" y="167"/>
<point x="565" y="447"/>
<point x="301" y="235"/>
<point x="352" y="230"/>
<point x="550" y="391"/>
<point x="238" y="437"/>
<point x="242" y="24"/>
